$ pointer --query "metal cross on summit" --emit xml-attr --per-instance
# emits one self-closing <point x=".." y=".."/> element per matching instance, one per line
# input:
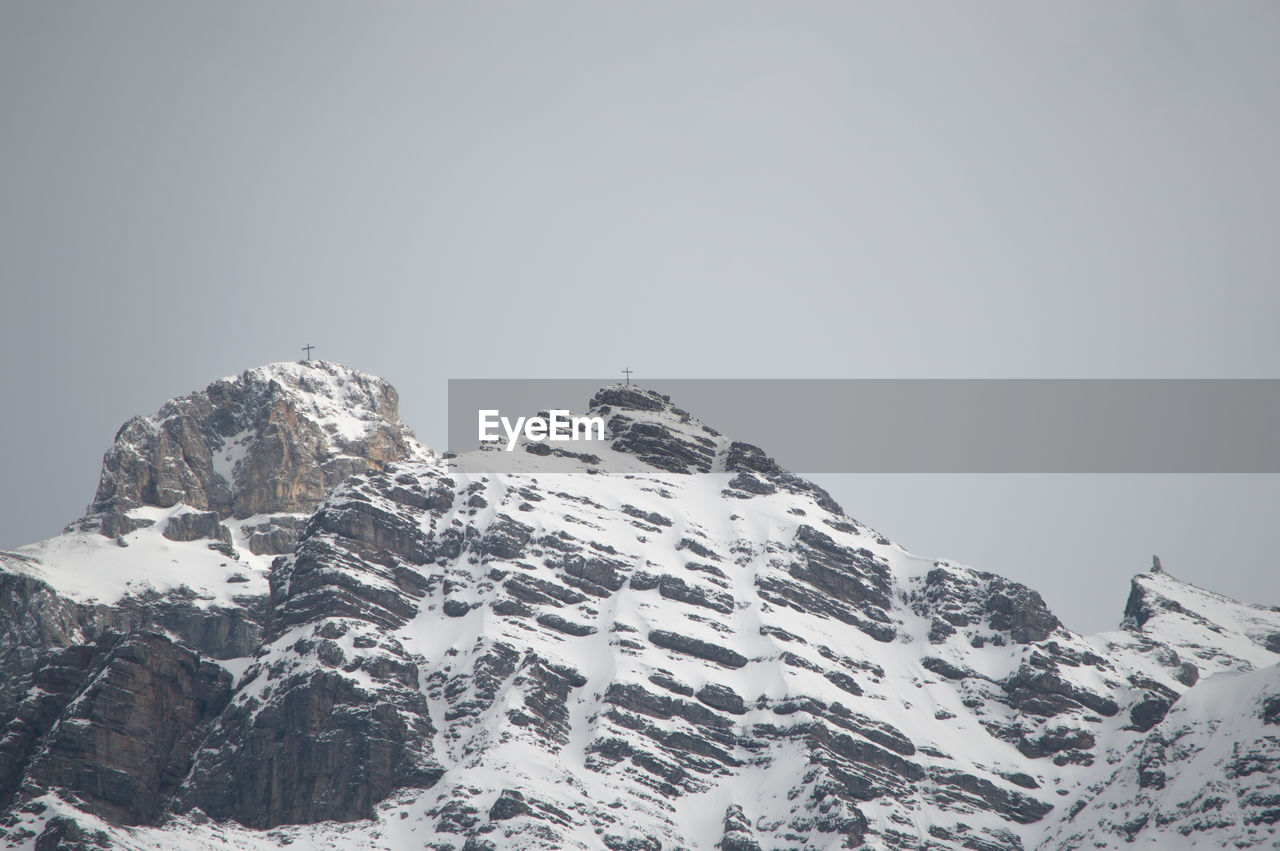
<point x="307" y="348"/>
<point x="627" y="373"/>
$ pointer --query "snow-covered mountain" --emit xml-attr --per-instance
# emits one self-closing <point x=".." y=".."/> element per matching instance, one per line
<point x="283" y="621"/>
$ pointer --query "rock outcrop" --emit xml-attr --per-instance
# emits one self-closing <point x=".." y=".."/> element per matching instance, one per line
<point x="272" y="440"/>
<point x="126" y="739"/>
<point x="331" y="719"/>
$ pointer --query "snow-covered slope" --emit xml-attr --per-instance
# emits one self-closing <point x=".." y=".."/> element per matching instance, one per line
<point x="701" y="651"/>
<point x="1212" y="632"/>
<point x="86" y="566"/>
<point x="1205" y="778"/>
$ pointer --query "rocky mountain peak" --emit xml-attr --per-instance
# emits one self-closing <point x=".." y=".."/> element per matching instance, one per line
<point x="1220" y="633"/>
<point x="650" y="427"/>
<point x="272" y="439"/>
<point x="631" y="397"/>
<point x="646" y="424"/>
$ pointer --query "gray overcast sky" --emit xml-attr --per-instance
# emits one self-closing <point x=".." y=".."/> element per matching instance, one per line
<point x="727" y="189"/>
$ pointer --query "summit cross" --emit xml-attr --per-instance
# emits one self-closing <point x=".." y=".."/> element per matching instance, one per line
<point x="307" y="348"/>
<point x="627" y="373"/>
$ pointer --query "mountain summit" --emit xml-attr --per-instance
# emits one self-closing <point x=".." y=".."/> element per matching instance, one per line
<point x="272" y="439"/>
<point x="307" y="629"/>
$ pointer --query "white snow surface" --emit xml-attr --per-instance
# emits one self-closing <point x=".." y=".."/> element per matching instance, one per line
<point x="87" y="567"/>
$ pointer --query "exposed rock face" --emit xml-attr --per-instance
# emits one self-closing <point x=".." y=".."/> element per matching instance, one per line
<point x="126" y="740"/>
<point x="45" y="690"/>
<point x="195" y="525"/>
<point x="988" y="607"/>
<point x="275" y="535"/>
<point x="48" y="643"/>
<point x="272" y="440"/>
<point x="333" y="720"/>
<point x="218" y="632"/>
<point x="687" y="450"/>
<point x="34" y="618"/>
<point x="738" y="833"/>
<point x="649" y="661"/>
